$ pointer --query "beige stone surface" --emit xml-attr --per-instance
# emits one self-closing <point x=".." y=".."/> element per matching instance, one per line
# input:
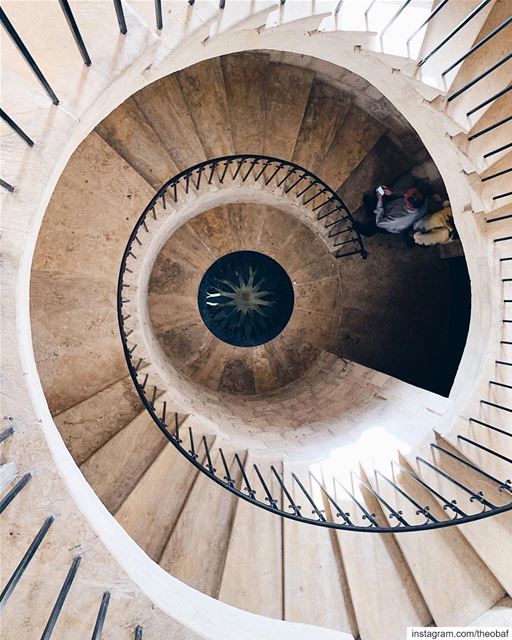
<point x="255" y="548"/>
<point x="175" y="317"/>
<point x="442" y="562"/>
<point x="324" y="113"/>
<point x="315" y="586"/>
<point x="196" y="550"/>
<point x="151" y="510"/>
<point x="353" y="140"/>
<point x="127" y="131"/>
<point x="286" y="97"/>
<point x="374" y="564"/>
<point x="115" y="469"/>
<point x="245" y="76"/>
<point x="204" y="92"/>
<point x="165" y="109"/>
<point x="88" y="425"/>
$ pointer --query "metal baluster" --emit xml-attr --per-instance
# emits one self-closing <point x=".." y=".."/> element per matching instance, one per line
<point x="158" y="15"/>
<point x="102" y="614"/>
<point x="9" y="497"/>
<point x="120" y="16"/>
<point x="479" y="77"/>
<point x="477" y="46"/>
<point x="268" y="496"/>
<point x="339" y="511"/>
<point x="319" y="193"/>
<point x="177" y="429"/>
<point x="253" y="164"/>
<point x="394" y="18"/>
<point x="489" y="100"/>
<point x="462" y="24"/>
<point x="227" y="477"/>
<point x="251" y="492"/>
<point x="474" y="496"/>
<point x="490" y="426"/>
<point x="6" y="185"/>
<point x="447" y="504"/>
<point x="6" y="433"/>
<point x="209" y="464"/>
<point x="393" y="513"/>
<point x="304" y="175"/>
<point x="13" y="34"/>
<point x="138" y="632"/>
<point x="279" y="167"/>
<point x="366" y="514"/>
<point x="192" y="449"/>
<point x="164" y="412"/>
<point x="70" y="18"/>
<point x="423" y="510"/>
<point x="25" y="561"/>
<point x="61" y="598"/>
<point x="16" y="128"/>
<point x="481" y="446"/>
<point x="428" y="19"/>
<point x="467" y="463"/>
<point x="296" y="508"/>
<point x="315" y="510"/>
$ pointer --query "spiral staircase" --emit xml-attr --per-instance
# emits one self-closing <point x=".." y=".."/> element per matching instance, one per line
<point x="108" y="528"/>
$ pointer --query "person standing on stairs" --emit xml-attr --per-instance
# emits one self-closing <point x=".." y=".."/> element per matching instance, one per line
<point x="390" y="212"/>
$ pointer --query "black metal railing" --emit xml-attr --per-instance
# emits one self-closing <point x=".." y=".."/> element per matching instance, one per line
<point x="270" y="488"/>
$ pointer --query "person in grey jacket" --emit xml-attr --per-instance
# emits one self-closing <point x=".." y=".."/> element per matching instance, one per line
<point x="392" y="212"/>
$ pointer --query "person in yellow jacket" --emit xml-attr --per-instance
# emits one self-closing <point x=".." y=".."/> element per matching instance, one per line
<point x="436" y="228"/>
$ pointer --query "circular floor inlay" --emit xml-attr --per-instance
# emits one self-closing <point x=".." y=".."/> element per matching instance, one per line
<point x="245" y="298"/>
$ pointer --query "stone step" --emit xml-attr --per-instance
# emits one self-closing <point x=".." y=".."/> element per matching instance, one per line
<point x="245" y="78"/>
<point x="286" y="97"/>
<point x="114" y="470"/>
<point x="488" y="55"/>
<point x="127" y="131"/>
<point x="325" y="111"/>
<point x="152" y="509"/>
<point x="443" y="563"/>
<point x="196" y="550"/>
<point x="437" y="30"/>
<point x="356" y="134"/>
<point x="203" y="90"/>
<point x="165" y="109"/>
<point x="89" y="424"/>
<point x="378" y="572"/>
<point x="315" y="585"/>
<point x="487" y="537"/>
<point x="255" y="549"/>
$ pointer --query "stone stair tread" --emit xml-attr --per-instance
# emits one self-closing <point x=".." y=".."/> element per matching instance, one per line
<point x="127" y="131"/>
<point x="355" y="136"/>
<point x="286" y="97"/>
<point x="202" y="531"/>
<point x="165" y="109"/>
<point x="255" y="548"/>
<point x="203" y="90"/>
<point x="369" y="561"/>
<point x="442" y="562"/>
<point x="89" y="424"/>
<point x="324" y="112"/>
<point x="245" y="77"/>
<point x="115" y="469"/>
<point x="315" y="588"/>
<point x="152" y="508"/>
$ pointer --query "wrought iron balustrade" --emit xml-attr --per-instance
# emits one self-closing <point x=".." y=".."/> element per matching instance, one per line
<point x="270" y="488"/>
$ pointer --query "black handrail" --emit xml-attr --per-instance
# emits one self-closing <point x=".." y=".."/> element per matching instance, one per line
<point x="13" y="34"/>
<point x="308" y="190"/>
